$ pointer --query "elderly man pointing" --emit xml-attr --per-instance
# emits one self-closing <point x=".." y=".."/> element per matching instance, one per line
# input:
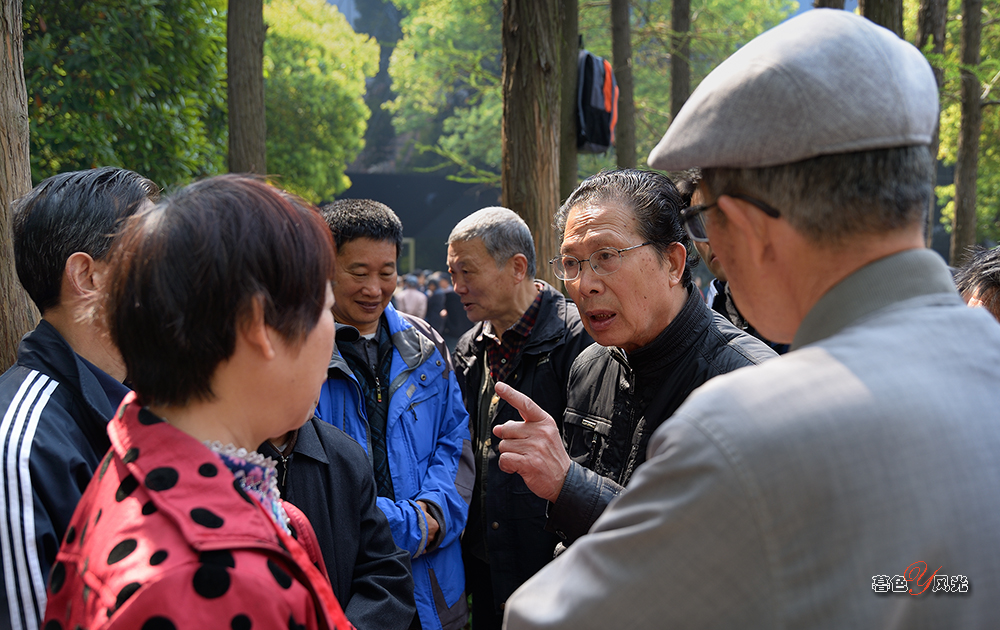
<point x="626" y="264"/>
<point x="853" y="482"/>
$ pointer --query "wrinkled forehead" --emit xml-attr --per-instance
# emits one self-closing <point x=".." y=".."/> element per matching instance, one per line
<point x="599" y="224"/>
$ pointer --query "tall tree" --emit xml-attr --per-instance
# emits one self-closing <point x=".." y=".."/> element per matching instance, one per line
<point x="887" y="13"/>
<point x="963" y="235"/>
<point x="245" y="59"/>
<point x="316" y="70"/>
<point x="621" y="53"/>
<point x="680" y="53"/>
<point x="449" y="98"/>
<point x="570" y="12"/>
<point x="17" y="315"/>
<point x="529" y="172"/>
<point x="828" y="4"/>
<point x="932" y="20"/>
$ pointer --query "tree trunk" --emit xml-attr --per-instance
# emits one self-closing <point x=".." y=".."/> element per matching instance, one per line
<point x="931" y="21"/>
<point x="963" y="235"/>
<point x="621" y="53"/>
<point x="828" y="4"/>
<point x="680" y="53"/>
<point x="245" y="59"/>
<point x="887" y="13"/>
<point x="567" y="119"/>
<point x="17" y="313"/>
<point x="531" y="108"/>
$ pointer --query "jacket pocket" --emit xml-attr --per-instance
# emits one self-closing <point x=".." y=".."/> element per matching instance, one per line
<point x="585" y="435"/>
<point x="423" y="417"/>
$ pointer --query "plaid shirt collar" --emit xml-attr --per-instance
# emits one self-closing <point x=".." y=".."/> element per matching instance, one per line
<point x="501" y="351"/>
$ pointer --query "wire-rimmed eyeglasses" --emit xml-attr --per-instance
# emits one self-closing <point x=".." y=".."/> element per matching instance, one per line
<point x="694" y="217"/>
<point x="604" y="262"/>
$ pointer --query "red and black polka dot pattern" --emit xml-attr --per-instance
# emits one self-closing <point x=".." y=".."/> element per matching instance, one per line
<point x="163" y="538"/>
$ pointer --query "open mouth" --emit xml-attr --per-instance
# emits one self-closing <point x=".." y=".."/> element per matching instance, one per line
<point x="601" y="320"/>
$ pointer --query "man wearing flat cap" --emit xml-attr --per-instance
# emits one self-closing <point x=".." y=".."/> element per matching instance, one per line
<point x="853" y="482"/>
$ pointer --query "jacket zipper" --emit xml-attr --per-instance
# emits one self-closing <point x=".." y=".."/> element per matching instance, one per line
<point x="284" y="472"/>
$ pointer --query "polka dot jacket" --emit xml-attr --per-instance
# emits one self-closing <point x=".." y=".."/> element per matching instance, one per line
<point x="165" y="537"/>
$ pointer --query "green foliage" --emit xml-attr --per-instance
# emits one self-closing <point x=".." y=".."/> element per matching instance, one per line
<point x="446" y="71"/>
<point x="988" y="72"/>
<point x="718" y="28"/>
<point x="446" y="74"/>
<point x="315" y="68"/>
<point x="132" y="83"/>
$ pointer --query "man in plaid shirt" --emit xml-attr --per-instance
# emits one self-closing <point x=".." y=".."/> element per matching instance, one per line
<point x="527" y="336"/>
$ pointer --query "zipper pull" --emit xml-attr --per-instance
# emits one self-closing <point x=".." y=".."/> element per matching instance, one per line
<point x="378" y="389"/>
<point x="284" y="471"/>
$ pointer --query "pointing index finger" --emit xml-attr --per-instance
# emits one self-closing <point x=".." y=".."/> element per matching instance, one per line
<point x="528" y="409"/>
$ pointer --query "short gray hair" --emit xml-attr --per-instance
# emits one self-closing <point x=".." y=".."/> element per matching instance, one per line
<point x="503" y="233"/>
<point x="831" y="198"/>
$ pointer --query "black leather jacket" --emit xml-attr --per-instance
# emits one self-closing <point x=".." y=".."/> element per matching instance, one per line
<point x="616" y="401"/>
<point x="508" y="516"/>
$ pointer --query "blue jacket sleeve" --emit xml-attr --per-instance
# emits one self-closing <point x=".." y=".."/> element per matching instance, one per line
<point x="446" y="484"/>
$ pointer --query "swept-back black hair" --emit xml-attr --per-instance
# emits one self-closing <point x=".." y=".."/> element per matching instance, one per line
<point x="981" y="277"/>
<point x="349" y="219"/>
<point x="68" y="213"/>
<point x="654" y="200"/>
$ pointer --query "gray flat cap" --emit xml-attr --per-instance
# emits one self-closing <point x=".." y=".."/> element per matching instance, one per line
<point x="825" y="82"/>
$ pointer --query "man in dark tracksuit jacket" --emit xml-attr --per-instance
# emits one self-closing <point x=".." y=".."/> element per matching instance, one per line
<point x="505" y="541"/>
<point x="56" y="400"/>
<point x="326" y="474"/>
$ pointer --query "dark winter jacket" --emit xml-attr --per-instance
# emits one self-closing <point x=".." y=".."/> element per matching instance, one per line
<point x="508" y="516"/>
<point x="53" y="433"/>
<point x="328" y="477"/>
<point x="723" y="304"/>
<point x="616" y="401"/>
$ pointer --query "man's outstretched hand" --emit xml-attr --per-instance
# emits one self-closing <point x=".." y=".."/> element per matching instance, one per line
<point x="533" y="448"/>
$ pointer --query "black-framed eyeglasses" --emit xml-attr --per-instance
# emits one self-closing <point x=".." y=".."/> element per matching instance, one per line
<point x="604" y="262"/>
<point x="694" y="217"/>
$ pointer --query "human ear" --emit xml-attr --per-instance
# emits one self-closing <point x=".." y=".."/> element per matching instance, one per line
<point x="748" y="225"/>
<point x="676" y="258"/>
<point x="78" y="274"/>
<point x="520" y="262"/>
<point x="257" y="334"/>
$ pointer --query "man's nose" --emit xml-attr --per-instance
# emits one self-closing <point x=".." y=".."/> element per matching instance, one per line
<point x="588" y="281"/>
<point x="371" y="287"/>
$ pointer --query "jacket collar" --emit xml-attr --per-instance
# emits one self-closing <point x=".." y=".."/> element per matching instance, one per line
<point x="413" y="347"/>
<point x="549" y="328"/>
<point x="674" y="342"/>
<point x="144" y="443"/>
<point x="908" y="274"/>
<point x="46" y="350"/>
<point x="308" y="443"/>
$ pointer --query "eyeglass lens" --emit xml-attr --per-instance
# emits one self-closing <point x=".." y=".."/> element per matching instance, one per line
<point x="603" y="262"/>
<point x="696" y="227"/>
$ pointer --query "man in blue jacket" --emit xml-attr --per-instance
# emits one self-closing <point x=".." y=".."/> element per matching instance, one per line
<point x="394" y="391"/>
<point x="56" y="400"/>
